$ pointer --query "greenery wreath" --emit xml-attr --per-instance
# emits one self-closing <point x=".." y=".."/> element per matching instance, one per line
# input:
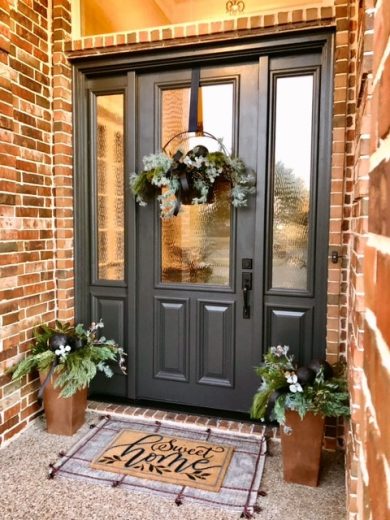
<point x="190" y="178"/>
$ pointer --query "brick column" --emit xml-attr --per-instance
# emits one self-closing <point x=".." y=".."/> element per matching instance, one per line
<point x="368" y="451"/>
<point x="63" y="160"/>
<point x="27" y="287"/>
<point x="375" y="427"/>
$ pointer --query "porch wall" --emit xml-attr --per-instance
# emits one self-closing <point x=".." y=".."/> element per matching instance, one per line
<point x="368" y="439"/>
<point x="27" y="232"/>
<point x="36" y="200"/>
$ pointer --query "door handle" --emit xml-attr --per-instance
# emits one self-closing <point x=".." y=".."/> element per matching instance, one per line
<point x="246" y="314"/>
<point x="246" y="285"/>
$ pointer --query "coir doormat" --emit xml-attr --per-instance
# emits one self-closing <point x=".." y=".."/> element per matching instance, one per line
<point x="166" y="458"/>
<point x="194" y="465"/>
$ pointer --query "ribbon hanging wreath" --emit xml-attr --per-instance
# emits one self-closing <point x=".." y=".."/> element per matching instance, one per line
<point x="194" y="125"/>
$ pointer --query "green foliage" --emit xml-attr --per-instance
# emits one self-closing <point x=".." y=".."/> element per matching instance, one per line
<point x="74" y="369"/>
<point x="328" y="397"/>
<point x="272" y="376"/>
<point x="74" y="374"/>
<point x="260" y="402"/>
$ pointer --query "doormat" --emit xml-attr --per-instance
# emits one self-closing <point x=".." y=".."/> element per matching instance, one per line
<point x="177" y="460"/>
<point x="207" y="466"/>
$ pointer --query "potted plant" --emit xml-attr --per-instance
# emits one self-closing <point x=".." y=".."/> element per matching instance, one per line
<point x="189" y="179"/>
<point x="67" y="358"/>
<point x="299" y="399"/>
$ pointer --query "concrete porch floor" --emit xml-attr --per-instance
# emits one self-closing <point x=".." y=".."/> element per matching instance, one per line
<point x="27" y="494"/>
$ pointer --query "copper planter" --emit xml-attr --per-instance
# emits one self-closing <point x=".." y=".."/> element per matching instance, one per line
<point x="64" y="416"/>
<point x="301" y="449"/>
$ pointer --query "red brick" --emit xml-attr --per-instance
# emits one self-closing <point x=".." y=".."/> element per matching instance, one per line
<point x="7" y="425"/>
<point x="381" y="31"/>
<point x="11" y="433"/>
<point x="384" y="100"/>
<point x="297" y="16"/>
<point x="379" y="200"/>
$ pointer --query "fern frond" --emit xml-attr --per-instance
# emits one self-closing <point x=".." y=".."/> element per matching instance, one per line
<point x="23" y="368"/>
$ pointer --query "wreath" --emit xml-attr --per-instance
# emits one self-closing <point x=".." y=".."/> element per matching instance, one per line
<point x="190" y="178"/>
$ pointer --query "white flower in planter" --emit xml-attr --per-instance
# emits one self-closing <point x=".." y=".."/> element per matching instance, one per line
<point x="62" y="351"/>
<point x="294" y="385"/>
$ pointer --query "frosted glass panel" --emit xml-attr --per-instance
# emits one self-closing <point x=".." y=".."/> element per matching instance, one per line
<point x="195" y="245"/>
<point x="110" y="187"/>
<point x="292" y="169"/>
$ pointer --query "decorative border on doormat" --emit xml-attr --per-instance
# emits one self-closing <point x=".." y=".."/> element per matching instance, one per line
<point x="239" y="491"/>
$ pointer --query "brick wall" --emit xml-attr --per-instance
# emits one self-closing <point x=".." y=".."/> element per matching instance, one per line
<point x="27" y="232"/>
<point x="35" y="227"/>
<point x="368" y="446"/>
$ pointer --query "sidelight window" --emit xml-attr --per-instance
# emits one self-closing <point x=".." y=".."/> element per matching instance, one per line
<point x="292" y="167"/>
<point x="110" y="186"/>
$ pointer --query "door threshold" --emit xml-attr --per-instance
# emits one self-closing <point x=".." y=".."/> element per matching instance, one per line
<point x="178" y="409"/>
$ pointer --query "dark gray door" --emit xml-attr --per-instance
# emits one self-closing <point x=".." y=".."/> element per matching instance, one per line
<point x="194" y="345"/>
<point x="171" y="291"/>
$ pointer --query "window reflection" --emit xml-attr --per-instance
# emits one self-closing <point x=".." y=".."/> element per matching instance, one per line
<point x="292" y="170"/>
<point x="195" y="245"/>
<point x="110" y="186"/>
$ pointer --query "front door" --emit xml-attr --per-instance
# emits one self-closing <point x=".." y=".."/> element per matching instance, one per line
<point x="195" y="346"/>
<point x="171" y="291"/>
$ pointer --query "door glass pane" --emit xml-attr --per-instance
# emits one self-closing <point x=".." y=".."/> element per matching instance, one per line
<point x="291" y="170"/>
<point x="110" y="187"/>
<point x="195" y="245"/>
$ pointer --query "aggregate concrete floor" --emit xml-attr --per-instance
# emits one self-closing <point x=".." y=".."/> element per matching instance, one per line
<point x="26" y="493"/>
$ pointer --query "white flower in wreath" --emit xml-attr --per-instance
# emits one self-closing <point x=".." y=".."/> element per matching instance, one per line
<point x="62" y="351"/>
<point x="294" y="387"/>
<point x="280" y="351"/>
<point x="199" y="161"/>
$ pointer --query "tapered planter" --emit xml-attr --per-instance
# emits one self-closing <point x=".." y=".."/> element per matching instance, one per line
<point x="64" y="416"/>
<point x="301" y="448"/>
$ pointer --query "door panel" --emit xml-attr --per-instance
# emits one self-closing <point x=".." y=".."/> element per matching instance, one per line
<point x="291" y="326"/>
<point x="297" y="234"/>
<point x="199" y="254"/>
<point x="107" y="247"/>
<point x="216" y="342"/>
<point x="171" y="341"/>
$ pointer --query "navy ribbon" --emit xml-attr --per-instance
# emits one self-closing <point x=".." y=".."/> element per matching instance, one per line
<point x="193" y="125"/>
<point x="46" y="381"/>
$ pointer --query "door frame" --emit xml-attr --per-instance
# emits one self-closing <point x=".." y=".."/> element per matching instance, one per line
<point x="202" y="54"/>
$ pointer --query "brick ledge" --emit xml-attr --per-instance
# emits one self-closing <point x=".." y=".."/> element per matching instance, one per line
<point x="242" y="428"/>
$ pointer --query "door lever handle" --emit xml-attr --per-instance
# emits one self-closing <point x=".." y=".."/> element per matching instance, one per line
<point x="246" y="314"/>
